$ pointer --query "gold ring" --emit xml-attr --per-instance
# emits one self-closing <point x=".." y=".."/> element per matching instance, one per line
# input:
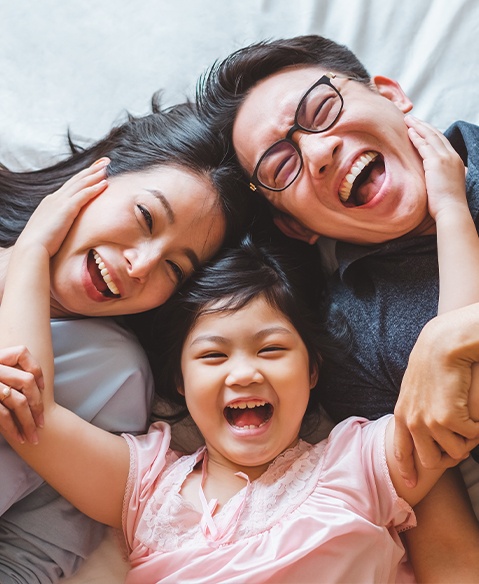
<point x="6" y="392"/>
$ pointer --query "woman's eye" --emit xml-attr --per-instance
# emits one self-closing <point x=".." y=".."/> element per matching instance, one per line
<point x="147" y="217"/>
<point x="178" y="272"/>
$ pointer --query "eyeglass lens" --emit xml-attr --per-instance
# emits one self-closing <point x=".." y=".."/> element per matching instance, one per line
<point x="317" y="111"/>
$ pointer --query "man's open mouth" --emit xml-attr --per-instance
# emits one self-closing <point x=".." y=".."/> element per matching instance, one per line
<point x="363" y="181"/>
<point x="100" y="276"/>
<point x="248" y="415"/>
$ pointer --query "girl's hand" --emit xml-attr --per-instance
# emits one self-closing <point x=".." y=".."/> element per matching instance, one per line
<point x="21" y="386"/>
<point x="443" y="167"/>
<point x="52" y="219"/>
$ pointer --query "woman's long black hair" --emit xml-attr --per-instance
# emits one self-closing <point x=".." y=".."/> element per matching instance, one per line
<point x="173" y="136"/>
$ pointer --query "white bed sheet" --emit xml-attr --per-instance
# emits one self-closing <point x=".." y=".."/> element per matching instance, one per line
<point x="81" y="64"/>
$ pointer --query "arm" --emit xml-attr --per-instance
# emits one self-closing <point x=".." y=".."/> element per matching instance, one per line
<point x="87" y="465"/>
<point x="433" y="415"/>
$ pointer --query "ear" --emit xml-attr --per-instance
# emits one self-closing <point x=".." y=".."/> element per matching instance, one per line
<point x="391" y="90"/>
<point x="314" y="376"/>
<point x="180" y="389"/>
<point x="292" y="228"/>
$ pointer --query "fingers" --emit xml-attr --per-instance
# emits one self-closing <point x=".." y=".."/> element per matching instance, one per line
<point x="429" y="134"/>
<point x="19" y="370"/>
<point x="17" y="408"/>
<point x="86" y="184"/>
<point x="435" y="444"/>
<point x="404" y="454"/>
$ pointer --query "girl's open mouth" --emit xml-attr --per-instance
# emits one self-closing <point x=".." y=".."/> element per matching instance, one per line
<point x="248" y="415"/>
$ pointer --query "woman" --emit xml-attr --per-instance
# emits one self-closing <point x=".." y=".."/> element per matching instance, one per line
<point x="168" y="203"/>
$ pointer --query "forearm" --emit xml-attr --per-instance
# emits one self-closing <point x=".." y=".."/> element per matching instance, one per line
<point x="444" y="546"/>
<point x="25" y="309"/>
<point x="458" y="255"/>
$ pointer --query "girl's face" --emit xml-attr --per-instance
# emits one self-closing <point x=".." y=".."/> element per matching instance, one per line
<point x="246" y="383"/>
<point x="133" y="245"/>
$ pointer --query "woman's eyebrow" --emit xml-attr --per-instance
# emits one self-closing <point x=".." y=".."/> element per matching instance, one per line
<point x="166" y="205"/>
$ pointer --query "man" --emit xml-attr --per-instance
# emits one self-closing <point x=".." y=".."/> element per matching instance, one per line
<point x="327" y="146"/>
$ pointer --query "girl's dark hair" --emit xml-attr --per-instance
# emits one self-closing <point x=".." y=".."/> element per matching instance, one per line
<point x="288" y="276"/>
<point x="224" y="87"/>
<point x="174" y="136"/>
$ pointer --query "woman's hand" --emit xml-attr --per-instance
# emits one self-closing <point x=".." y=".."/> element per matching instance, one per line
<point x="54" y="216"/>
<point x="21" y="386"/>
<point x="433" y="411"/>
<point x="443" y="167"/>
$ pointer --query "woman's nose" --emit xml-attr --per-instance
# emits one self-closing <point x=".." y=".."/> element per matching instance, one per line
<point x="141" y="262"/>
<point x="243" y="373"/>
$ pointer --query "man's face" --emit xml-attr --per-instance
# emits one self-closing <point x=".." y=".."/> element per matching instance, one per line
<point x="388" y="197"/>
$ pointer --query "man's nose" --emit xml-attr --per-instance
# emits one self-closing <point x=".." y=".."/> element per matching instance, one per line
<point x="318" y="151"/>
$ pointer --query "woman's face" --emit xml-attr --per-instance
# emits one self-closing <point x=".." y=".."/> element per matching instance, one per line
<point x="133" y="245"/>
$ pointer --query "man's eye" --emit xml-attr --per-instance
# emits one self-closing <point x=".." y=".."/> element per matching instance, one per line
<point x="147" y="217"/>
<point x="179" y="274"/>
<point x="319" y="112"/>
<point x="285" y="168"/>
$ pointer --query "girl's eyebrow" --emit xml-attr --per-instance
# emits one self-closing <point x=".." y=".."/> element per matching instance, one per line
<point x="272" y="330"/>
<point x="259" y="335"/>
<point x="210" y="338"/>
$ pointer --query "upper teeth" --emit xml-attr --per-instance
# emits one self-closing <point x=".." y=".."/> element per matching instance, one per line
<point x="359" y="164"/>
<point x="105" y="274"/>
<point x="246" y="404"/>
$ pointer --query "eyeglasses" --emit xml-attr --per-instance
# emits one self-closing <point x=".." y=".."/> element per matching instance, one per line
<point x="317" y="111"/>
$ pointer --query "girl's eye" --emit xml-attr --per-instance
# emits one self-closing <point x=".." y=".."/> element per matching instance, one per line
<point x="179" y="274"/>
<point x="213" y="355"/>
<point x="272" y="349"/>
<point x="147" y="217"/>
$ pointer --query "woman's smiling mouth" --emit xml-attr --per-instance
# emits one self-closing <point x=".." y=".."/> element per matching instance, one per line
<point x="100" y="276"/>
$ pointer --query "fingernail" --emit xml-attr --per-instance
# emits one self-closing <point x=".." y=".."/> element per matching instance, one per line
<point x="41" y="421"/>
<point x="410" y="484"/>
<point x="34" y="438"/>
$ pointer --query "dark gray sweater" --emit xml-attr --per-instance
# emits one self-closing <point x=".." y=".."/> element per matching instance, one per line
<point x="387" y="293"/>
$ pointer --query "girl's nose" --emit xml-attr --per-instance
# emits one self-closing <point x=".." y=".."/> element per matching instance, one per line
<point x="243" y="373"/>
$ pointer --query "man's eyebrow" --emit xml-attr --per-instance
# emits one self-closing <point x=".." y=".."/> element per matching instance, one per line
<point x="166" y="205"/>
<point x="189" y="253"/>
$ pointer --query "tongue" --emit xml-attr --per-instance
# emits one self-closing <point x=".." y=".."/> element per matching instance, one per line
<point x="371" y="186"/>
<point x="247" y="417"/>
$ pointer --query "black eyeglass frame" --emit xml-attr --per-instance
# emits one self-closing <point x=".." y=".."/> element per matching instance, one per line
<point x="324" y="80"/>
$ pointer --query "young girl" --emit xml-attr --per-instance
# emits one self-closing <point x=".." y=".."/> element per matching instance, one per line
<point x="167" y="201"/>
<point x="255" y="504"/>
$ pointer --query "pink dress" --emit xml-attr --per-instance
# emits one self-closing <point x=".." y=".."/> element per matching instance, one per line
<point x="321" y="513"/>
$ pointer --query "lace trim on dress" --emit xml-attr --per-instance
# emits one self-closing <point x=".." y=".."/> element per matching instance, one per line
<point x="169" y="522"/>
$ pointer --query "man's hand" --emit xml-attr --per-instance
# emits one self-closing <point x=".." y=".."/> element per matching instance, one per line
<point x="433" y="412"/>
